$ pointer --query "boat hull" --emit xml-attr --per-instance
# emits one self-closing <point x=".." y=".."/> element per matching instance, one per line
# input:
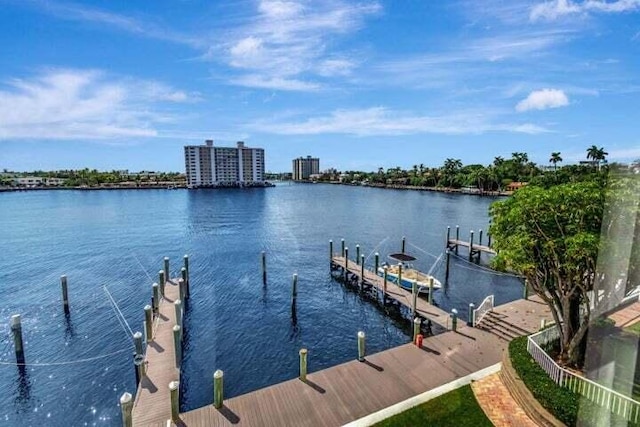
<point x="407" y="283"/>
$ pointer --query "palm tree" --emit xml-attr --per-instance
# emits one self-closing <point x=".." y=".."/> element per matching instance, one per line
<point x="555" y="159"/>
<point x="596" y="155"/>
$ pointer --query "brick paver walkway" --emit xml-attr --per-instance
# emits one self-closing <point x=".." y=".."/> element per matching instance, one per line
<point x="497" y="403"/>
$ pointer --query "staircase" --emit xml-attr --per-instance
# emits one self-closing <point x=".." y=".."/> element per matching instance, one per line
<point x="496" y="324"/>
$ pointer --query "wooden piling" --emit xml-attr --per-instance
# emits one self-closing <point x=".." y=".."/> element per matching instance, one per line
<point x="471" y="319"/>
<point x="446" y="245"/>
<point x="480" y="237"/>
<point x="446" y="272"/>
<point x="218" y="393"/>
<point x="400" y="275"/>
<point x="471" y="245"/>
<point x="188" y="278"/>
<point x="417" y="322"/>
<point x="357" y="254"/>
<point x="361" y="269"/>
<point x="138" y="364"/>
<point x="346" y="264"/>
<point x="454" y="320"/>
<point x="330" y="250"/>
<point x="294" y="289"/>
<point x="303" y="364"/>
<point x="361" y="346"/>
<point x="177" y="343"/>
<point x="174" y="390"/>
<point x="178" y="307"/>
<point x="156" y="297"/>
<point x="525" y="290"/>
<point x="161" y="281"/>
<point x="18" y="345"/>
<point x="457" y="238"/>
<point x="264" y="268"/>
<point x="342" y="247"/>
<point x="384" y="284"/>
<point x="126" y="406"/>
<point x="167" y="272"/>
<point x="65" y="294"/>
<point x="376" y="257"/>
<point x="430" y="296"/>
<point x="137" y="342"/>
<point x="414" y="298"/>
<point x="404" y="241"/>
<point x="148" y="322"/>
<point x="184" y="277"/>
<point x="182" y="289"/>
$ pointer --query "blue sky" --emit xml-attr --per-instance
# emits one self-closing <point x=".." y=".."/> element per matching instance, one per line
<point x="360" y="84"/>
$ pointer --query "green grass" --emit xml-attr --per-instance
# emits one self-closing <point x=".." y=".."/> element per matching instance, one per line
<point x="457" y="408"/>
<point x="634" y="329"/>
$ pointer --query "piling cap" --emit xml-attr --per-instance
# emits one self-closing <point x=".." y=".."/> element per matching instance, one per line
<point x="454" y="311"/>
<point x="360" y="334"/>
<point x="180" y="280"/>
<point x="161" y="272"/>
<point x="218" y="374"/>
<point x="183" y="269"/>
<point x="15" y="320"/>
<point x="125" y="398"/>
<point x="63" y="277"/>
<point x="137" y="335"/>
<point x="303" y="351"/>
<point x="417" y="320"/>
<point x="173" y="385"/>
<point x="177" y="302"/>
<point x="176" y="328"/>
<point x="186" y="256"/>
<point x="155" y="285"/>
<point x="147" y="307"/>
<point x="166" y="258"/>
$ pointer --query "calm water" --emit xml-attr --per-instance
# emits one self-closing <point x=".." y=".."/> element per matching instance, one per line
<point x="118" y="239"/>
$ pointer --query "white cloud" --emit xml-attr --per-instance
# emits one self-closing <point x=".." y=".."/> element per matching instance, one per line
<point x="624" y="154"/>
<point x="552" y="10"/>
<point x="382" y="121"/>
<point x="72" y="104"/>
<point x="291" y="41"/>
<point x="275" y="83"/>
<point x="543" y="99"/>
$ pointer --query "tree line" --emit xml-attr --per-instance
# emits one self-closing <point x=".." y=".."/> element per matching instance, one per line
<point x="93" y="177"/>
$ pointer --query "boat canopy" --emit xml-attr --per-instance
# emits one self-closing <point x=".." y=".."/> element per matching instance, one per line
<point x="402" y="257"/>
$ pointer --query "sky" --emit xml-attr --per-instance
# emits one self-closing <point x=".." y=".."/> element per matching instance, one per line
<point x="360" y="84"/>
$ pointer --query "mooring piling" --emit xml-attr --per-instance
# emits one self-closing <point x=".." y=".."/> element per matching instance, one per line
<point x="480" y="237"/>
<point x="183" y="276"/>
<point x="376" y="257"/>
<point x="126" y="406"/>
<point x="161" y="281"/>
<point x="362" y="269"/>
<point x="472" y="307"/>
<point x="167" y="272"/>
<point x="174" y="390"/>
<point x="303" y="364"/>
<point x="137" y="342"/>
<point x="330" y="250"/>
<point x="138" y="365"/>
<point x="430" y="296"/>
<point x="346" y="264"/>
<point x="404" y="241"/>
<point x="446" y="273"/>
<point x="457" y="237"/>
<point x="177" y="343"/>
<point x="357" y="254"/>
<point x="361" y="346"/>
<point x="182" y="289"/>
<point x="400" y="275"/>
<point x="218" y="394"/>
<point x="264" y="267"/>
<point x="342" y="247"/>
<point x="16" y="330"/>
<point x="471" y="245"/>
<point x="414" y="298"/>
<point x="417" y="322"/>
<point x="525" y="290"/>
<point x="178" y="307"/>
<point x="294" y="289"/>
<point x="148" y="322"/>
<point x="187" y="279"/>
<point x="384" y="284"/>
<point x="65" y="294"/>
<point x="454" y="320"/>
<point x="156" y="297"/>
<point x="446" y="244"/>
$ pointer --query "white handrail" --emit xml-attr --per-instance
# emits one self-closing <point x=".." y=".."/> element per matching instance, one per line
<point x="484" y="308"/>
<point x="617" y="403"/>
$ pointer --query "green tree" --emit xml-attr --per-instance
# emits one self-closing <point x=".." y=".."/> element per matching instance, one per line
<point x="555" y="159"/>
<point x="551" y="237"/>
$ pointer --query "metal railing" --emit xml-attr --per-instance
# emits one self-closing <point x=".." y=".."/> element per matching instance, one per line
<point x="484" y="308"/>
<point x="615" y="402"/>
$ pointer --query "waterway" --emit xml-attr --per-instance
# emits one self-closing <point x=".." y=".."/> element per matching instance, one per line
<point x="79" y="365"/>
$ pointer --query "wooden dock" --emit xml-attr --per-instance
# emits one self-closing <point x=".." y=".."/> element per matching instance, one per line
<point x="480" y="248"/>
<point x="152" y="404"/>
<point x="347" y="392"/>
<point x="396" y="293"/>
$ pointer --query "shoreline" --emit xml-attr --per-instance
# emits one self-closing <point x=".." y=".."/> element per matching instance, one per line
<point x="123" y="187"/>
<point x="416" y="188"/>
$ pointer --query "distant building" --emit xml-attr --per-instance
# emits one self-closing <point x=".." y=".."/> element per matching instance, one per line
<point x="37" y="181"/>
<point x="209" y="166"/>
<point x="303" y="168"/>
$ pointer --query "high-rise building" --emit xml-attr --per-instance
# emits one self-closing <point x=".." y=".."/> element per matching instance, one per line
<point x="210" y="166"/>
<point x="303" y="167"/>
